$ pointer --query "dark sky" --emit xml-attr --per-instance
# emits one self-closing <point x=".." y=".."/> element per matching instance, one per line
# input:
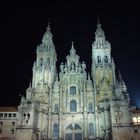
<point x="21" y="30"/>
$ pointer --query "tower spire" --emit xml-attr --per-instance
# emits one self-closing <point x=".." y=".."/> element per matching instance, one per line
<point x="98" y="20"/>
<point x="47" y="37"/>
<point x="100" y="41"/>
<point x="120" y="76"/>
<point x="72" y="51"/>
<point x="48" y="27"/>
<point x="99" y="31"/>
<point x="30" y="84"/>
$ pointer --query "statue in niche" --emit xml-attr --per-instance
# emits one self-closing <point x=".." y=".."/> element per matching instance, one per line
<point x="79" y="68"/>
<point x="62" y="67"/>
<point x="98" y="59"/>
<point x="72" y="67"/>
<point x="105" y="59"/>
<point x="65" y="68"/>
<point x="83" y="65"/>
<point x="48" y="61"/>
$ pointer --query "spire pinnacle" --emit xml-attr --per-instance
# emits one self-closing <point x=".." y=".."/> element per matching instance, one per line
<point x="119" y="76"/>
<point x="47" y="37"/>
<point x="72" y="51"/>
<point x="100" y="40"/>
<point x="29" y="89"/>
<point x="98" y="23"/>
<point x="30" y="84"/>
<point x="99" y="31"/>
<point x="98" y="20"/>
<point x="72" y="44"/>
<point x="48" y="27"/>
<point x="88" y="76"/>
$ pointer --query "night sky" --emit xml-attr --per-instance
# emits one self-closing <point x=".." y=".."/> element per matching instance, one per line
<point x="21" y="30"/>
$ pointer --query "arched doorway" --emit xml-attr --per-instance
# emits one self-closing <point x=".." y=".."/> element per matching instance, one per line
<point x="73" y="132"/>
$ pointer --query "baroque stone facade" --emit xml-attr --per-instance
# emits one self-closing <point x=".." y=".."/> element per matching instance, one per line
<point x="74" y="104"/>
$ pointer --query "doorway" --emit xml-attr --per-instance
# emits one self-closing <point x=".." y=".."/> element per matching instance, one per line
<point x="73" y="132"/>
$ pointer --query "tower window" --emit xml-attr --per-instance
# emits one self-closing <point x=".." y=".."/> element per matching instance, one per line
<point x="13" y="123"/>
<point x="91" y="129"/>
<point x="105" y="59"/>
<point x="98" y="59"/>
<point x="73" y="106"/>
<point x="135" y="131"/>
<point x="1" y="114"/>
<point x="41" y="61"/>
<point x="5" y="114"/>
<point x="55" y="130"/>
<point x="24" y="115"/>
<point x="90" y="108"/>
<point x="0" y="130"/>
<point x="10" y="115"/>
<point x="28" y="115"/>
<point x="56" y="108"/>
<point x="1" y="123"/>
<point x="12" y="131"/>
<point x="72" y="90"/>
<point x="48" y="61"/>
<point x="14" y="115"/>
<point x="26" y="121"/>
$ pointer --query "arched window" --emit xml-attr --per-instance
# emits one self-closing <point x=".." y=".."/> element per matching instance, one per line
<point x="73" y="106"/>
<point x="12" y="131"/>
<point x="98" y="59"/>
<point x="48" y="61"/>
<point x="28" y="115"/>
<point x="91" y="129"/>
<point x="41" y="61"/>
<point x="105" y="59"/>
<point x="90" y="107"/>
<point x="55" y="130"/>
<point x="72" y="90"/>
<point x="56" y="108"/>
<point x="24" y="116"/>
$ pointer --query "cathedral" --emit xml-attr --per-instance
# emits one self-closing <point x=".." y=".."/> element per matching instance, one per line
<point x="73" y="104"/>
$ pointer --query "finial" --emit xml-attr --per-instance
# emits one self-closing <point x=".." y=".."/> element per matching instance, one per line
<point x="98" y="20"/>
<point x="99" y="32"/>
<point x="30" y="84"/>
<point x="119" y="75"/>
<point x="98" y="24"/>
<point x="72" y="51"/>
<point x="88" y="76"/>
<point x="48" y="27"/>
<point x="72" y="43"/>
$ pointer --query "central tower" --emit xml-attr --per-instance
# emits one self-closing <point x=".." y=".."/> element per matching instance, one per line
<point x="103" y="68"/>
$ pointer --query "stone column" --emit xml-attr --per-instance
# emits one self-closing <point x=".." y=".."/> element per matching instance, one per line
<point x="60" y="121"/>
<point x="106" y="124"/>
<point x="49" y="126"/>
<point x="97" y="118"/>
<point x="85" y="125"/>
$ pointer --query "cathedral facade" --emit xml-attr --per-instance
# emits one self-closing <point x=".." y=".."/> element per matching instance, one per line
<point x="74" y="104"/>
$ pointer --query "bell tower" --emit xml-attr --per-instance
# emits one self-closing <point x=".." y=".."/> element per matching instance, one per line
<point x="44" y="68"/>
<point x="32" y="121"/>
<point x="103" y="68"/>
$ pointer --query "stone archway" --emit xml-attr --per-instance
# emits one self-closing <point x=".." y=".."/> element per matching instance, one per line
<point x="73" y="132"/>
